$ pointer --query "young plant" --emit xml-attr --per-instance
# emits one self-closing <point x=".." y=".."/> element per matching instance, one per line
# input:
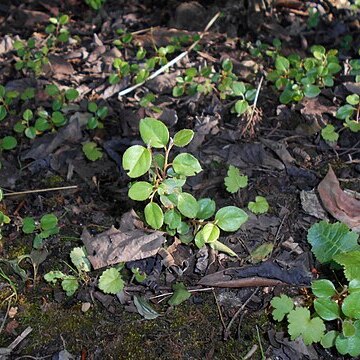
<point x="350" y="112"/>
<point x="168" y="207"/>
<point x="92" y="151"/>
<point x="124" y="40"/>
<point x="259" y="206"/>
<point x="98" y="115"/>
<point x="297" y="77"/>
<point x="95" y="4"/>
<point x="60" y="98"/>
<point x="234" y="181"/>
<point x="6" y="99"/>
<point x="47" y="227"/>
<point x="70" y="283"/>
<point x="30" y="59"/>
<point x="57" y="31"/>
<point x="335" y="320"/>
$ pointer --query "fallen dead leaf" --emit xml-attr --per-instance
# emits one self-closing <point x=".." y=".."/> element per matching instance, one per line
<point x="339" y="204"/>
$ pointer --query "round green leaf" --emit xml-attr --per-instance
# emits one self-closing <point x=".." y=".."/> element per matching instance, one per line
<point x="206" y="208"/>
<point x="48" y="222"/>
<point x="230" y="218"/>
<point x="154" y="215"/>
<point x="186" y="164"/>
<point x="327" y="309"/>
<point x="345" y="111"/>
<point x="71" y="94"/>
<point x="110" y="281"/>
<point x="64" y="19"/>
<point x="136" y="160"/>
<point x="210" y="233"/>
<point x="172" y="218"/>
<point x="348" y="328"/>
<point x="52" y="90"/>
<point x="183" y="137"/>
<point x="328" y="133"/>
<point x="8" y="143"/>
<point x="28" y="115"/>
<point x="187" y="205"/>
<point x="154" y="132"/>
<point x="349" y="345"/>
<point x="30" y="132"/>
<point x="323" y="288"/>
<point x="353" y="99"/>
<point x="311" y="91"/>
<point x="140" y="191"/>
<point x="238" y="88"/>
<point x="354" y="286"/>
<point x="58" y="118"/>
<point x="92" y="107"/>
<point x="28" y="225"/>
<point x="350" y="306"/>
<point x="241" y="106"/>
<point x="41" y="124"/>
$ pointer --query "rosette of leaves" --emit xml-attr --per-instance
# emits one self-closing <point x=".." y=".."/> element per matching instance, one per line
<point x="123" y="69"/>
<point x="30" y="59"/>
<point x="246" y="93"/>
<point x="124" y="39"/>
<point x="60" y="98"/>
<point x="169" y="207"/>
<point x="297" y="77"/>
<point x="98" y="114"/>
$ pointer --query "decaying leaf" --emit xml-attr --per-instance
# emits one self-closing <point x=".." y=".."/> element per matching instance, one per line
<point x="339" y="204"/>
<point x="121" y="245"/>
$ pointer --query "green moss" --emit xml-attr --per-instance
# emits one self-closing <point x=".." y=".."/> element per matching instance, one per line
<point x="53" y="181"/>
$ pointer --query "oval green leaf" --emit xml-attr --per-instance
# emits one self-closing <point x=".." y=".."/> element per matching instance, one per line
<point x="183" y="137"/>
<point x="206" y="208"/>
<point x="187" y="205"/>
<point x="8" y="142"/>
<point x="154" y="215"/>
<point x="230" y="218"/>
<point x="327" y="309"/>
<point x="154" y="132"/>
<point x="186" y="164"/>
<point x="136" y="160"/>
<point x="210" y="233"/>
<point x="140" y="191"/>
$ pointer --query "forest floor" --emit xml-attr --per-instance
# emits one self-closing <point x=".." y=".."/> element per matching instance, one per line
<point x="284" y="145"/>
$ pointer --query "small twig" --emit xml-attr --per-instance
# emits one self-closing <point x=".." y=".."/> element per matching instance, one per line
<point x="170" y="63"/>
<point x="250" y="353"/>
<point x="171" y="292"/>
<point x="219" y="310"/>
<point x="40" y="190"/>
<point x="20" y="338"/>
<point x="242" y="307"/>
<point x="5" y="317"/>
<point x="260" y="344"/>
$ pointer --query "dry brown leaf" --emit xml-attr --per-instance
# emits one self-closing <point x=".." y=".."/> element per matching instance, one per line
<point x="128" y="243"/>
<point x="340" y="205"/>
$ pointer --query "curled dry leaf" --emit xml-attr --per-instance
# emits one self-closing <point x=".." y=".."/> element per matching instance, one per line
<point x="339" y="204"/>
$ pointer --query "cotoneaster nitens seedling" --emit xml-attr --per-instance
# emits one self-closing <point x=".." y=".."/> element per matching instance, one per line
<point x="168" y="207"/>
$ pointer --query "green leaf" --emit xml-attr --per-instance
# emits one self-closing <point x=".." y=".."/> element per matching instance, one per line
<point x="92" y="107"/>
<point x="102" y="112"/>
<point x="323" y="288"/>
<point x="300" y="324"/>
<point x="58" y="118"/>
<point x="206" y="208"/>
<point x="328" y="133"/>
<point x="349" y="345"/>
<point x="110" y="281"/>
<point x="282" y="64"/>
<point x="241" y="106"/>
<point x="282" y="306"/>
<point x="171" y="186"/>
<point x="311" y="91"/>
<point x="29" y="225"/>
<point x="260" y="206"/>
<point x="28" y="115"/>
<point x="140" y="191"/>
<point x="71" y="94"/>
<point x="64" y="19"/>
<point x="348" y="328"/>
<point x="136" y="160"/>
<point x="41" y="124"/>
<point x="353" y="99"/>
<point x="234" y="181"/>
<point x="92" y="151"/>
<point x="172" y="218"/>
<point x="52" y="90"/>
<point x="178" y="91"/>
<point x="345" y="111"/>
<point x="187" y="205"/>
<point x="238" y="88"/>
<point x="327" y="309"/>
<point x="219" y="246"/>
<point x="328" y="240"/>
<point x="318" y="51"/>
<point x="328" y="340"/>
<point x="353" y="125"/>
<point x="262" y="252"/>
<point x="208" y="234"/>
<point x="154" y="132"/>
<point x="227" y="65"/>
<point x="48" y="222"/>
<point x="30" y="132"/>
<point x="53" y="276"/>
<point x="180" y="294"/>
<point x="79" y="258"/>
<point x="144" y="308"/>
<point x="154" y="215"/>
<point x="8" y="142"/>
<point x="230" y="218"/>
<point x="69" y="284"/>
<point x="350" y="306"/>
<point x="354" y="286"/>
<point x="3" y="112"/>
<point x="183" y="137"/>
<point x="186" y="164"/>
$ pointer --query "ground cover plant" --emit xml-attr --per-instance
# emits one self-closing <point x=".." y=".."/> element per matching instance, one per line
<point x="179" y="182"/>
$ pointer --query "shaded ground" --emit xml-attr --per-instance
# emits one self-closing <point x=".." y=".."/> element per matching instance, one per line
<point x="199" y="328"/>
